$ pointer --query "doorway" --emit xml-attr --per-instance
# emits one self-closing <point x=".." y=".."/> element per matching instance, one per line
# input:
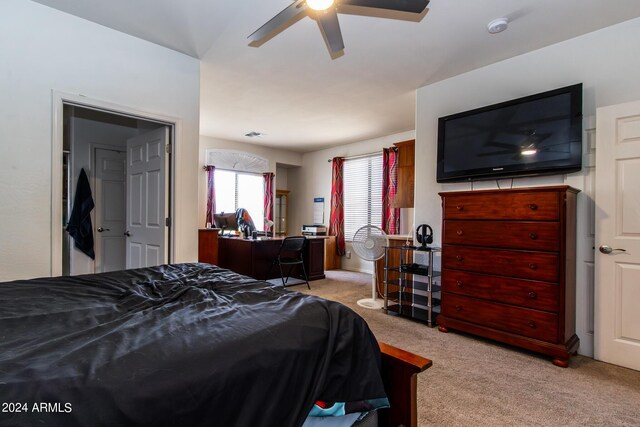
<point x="617" y="255"/>
<point x="131" y="206"/>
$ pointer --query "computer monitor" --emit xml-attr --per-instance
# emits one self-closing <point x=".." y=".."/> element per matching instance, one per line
<point x="226" y="221"/>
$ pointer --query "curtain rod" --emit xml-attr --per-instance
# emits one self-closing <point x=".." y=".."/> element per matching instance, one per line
<point x="359" y="156"/>
<point x="235" y="170"/>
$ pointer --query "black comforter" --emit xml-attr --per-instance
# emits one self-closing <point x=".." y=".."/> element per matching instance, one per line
<point x="188" y="344"/>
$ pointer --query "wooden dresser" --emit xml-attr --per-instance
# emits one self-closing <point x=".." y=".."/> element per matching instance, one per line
<point x="508" y="267"/>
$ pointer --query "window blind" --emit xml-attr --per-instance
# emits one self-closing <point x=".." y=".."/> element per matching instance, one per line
<point x="362" y="193"/>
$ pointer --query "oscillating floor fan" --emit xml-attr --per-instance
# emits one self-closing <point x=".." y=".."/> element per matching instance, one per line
<point x="368" y="243"/>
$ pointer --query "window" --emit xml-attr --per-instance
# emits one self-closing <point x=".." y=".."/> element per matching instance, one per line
<point x="362" y="193"/>
<point x="240" y="190"/>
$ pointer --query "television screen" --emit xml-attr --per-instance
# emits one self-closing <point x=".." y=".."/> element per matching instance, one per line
<point x="538" y="134"/>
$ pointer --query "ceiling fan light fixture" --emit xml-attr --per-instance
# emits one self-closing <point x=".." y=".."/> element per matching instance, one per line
<point x="319" y="4"/>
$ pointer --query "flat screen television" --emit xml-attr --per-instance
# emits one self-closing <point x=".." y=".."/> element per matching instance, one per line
<point x="535" y="135"/>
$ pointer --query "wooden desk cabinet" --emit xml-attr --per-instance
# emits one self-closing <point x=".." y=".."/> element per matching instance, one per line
<point x="394" y="259"/>
<point x="313" y="257"/>
<point x="508" y="267"/>
<point x="253" y="258"/>
<point x="332" y="261"/>
<point x="208" y="245"/>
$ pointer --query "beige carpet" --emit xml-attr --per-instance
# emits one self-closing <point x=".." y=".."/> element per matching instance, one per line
<point x="475" y="382"/>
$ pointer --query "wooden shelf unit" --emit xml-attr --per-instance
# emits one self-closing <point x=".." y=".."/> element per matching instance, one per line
<point x="406" y="174"/>
<point x="281" y="219"/>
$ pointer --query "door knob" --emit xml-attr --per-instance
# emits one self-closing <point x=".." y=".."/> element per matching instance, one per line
<point x="606" y="249"/>
<point x="100" y="229"/>
<point x="127" y="233"/>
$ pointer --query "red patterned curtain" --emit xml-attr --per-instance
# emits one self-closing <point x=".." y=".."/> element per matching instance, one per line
<point x="390" y="215"/>
<point x="268" y="199"/>
<point x="211" y="194"/>
<point x="336" y="227"/>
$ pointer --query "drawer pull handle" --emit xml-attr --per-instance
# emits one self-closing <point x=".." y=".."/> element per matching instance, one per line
<point x="459" y="232"/>
<point x="533" y="266"/>
<point x="532" y="324"/>
<point x="459" y="284"/>
<point x="533" y="206"/>
<point x="458" y="308"/>
<point x="459" y="258"/>
<point x="533" y="236"/>
<point x="460" y="207"/>
<point x="532" y="295"/>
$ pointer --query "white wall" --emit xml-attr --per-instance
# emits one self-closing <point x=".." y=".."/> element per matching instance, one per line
<point x="282" y="178"/>
<point x="314" y="180"/>
<point x="273" y="155"/>
<point x="606" y="62"/>
<point x="44" y="50"/>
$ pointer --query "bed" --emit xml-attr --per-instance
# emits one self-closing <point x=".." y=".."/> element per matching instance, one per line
<point x="188" y="344"/>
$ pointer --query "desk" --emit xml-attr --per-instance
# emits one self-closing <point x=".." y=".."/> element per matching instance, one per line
<point x="253" y="257"/>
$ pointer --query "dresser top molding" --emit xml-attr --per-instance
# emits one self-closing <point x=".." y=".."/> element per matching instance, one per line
<point x="513" y="190"/>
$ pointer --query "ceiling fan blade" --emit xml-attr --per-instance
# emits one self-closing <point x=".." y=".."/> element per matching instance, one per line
<point x="328" y="20"/>
<point x="280" y="19"/>
<point x="415" y="6"/>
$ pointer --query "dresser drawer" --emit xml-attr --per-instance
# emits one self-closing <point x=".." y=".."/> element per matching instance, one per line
<point x="537" y="236"/>
<point x="526" y="293"/>
<point x="523" y="321"/>
<point x="536" y="206"/>
<point x="510" y="263"/>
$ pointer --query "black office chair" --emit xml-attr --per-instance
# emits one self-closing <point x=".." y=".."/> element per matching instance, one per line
<point x="290" y="253"/>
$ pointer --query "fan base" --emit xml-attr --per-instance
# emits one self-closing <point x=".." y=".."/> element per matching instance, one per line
<point x="371" y="303"/>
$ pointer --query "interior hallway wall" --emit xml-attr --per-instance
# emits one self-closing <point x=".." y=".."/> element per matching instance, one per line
<point x="45" y="50"/>
<point x="604" y="61"/>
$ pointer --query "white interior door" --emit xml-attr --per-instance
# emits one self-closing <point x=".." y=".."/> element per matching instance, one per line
<point x="617" y="262"/>
<point x="110" y="210"/>
<point x="146" y="172"/>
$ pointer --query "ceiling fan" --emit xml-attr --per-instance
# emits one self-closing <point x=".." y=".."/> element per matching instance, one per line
<point x="532" y="144"/>
<point x="326" y="14"/>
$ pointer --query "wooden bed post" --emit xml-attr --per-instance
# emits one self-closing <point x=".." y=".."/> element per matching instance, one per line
<point x="399" y="373"/>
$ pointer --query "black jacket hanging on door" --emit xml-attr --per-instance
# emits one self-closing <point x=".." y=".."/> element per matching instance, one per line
<point x="79" y="225"/>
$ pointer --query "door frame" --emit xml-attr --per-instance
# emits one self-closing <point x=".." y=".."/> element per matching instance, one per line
<point x="59" y="100"/>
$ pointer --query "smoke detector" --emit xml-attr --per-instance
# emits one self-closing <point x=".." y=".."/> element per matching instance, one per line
<point x="498" y="25"/>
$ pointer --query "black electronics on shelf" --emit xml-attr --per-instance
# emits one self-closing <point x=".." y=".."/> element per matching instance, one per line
<point x="424" y="236"/>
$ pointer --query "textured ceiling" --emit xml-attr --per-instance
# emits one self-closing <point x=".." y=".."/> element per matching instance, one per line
<point x="292" y="90"/>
